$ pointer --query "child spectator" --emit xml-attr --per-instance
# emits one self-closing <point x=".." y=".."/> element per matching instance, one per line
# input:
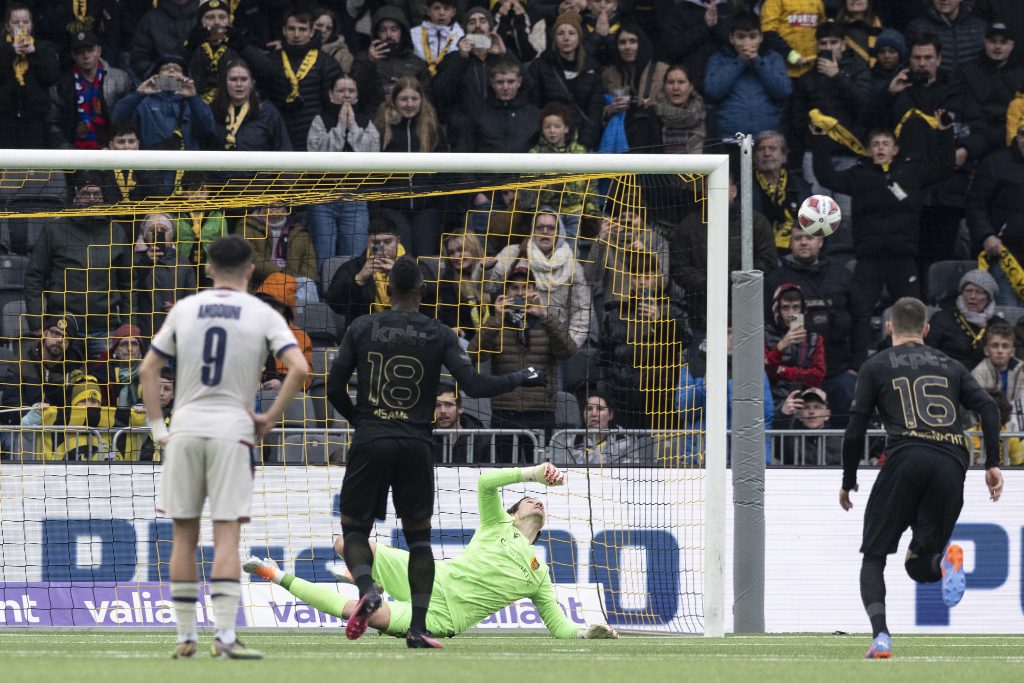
<point x="28" y="67"/>
<point x="681" y="111"/>
<point x="566" y="73"/>
<point x="1001" y="370"/>
<point x="570" y="200"/>
<point x="243" y="121"/>
<point x="438" y="35"/>
<point x="890" y="57"/>
<point x="196" y="230"/>
<point x="600" y="24"/>
<point x="808" y="409"/>
<point x="749" y="86"/>
<point x="505" y="122"/>
<point x="793" y="357"/>
<point x="339" y="228"/>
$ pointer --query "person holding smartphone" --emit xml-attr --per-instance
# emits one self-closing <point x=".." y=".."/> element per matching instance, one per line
<point x="794" y="358"/>
<point x="28" y="67"/>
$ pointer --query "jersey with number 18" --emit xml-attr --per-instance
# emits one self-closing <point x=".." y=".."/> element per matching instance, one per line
<point x="220" y="339"/>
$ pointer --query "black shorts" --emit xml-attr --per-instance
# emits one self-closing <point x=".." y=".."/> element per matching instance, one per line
<point x="406" y="466"/>
<point x="919" y="488"/>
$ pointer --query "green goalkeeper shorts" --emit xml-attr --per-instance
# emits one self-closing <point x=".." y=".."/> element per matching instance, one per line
<point x="391" y="571"/>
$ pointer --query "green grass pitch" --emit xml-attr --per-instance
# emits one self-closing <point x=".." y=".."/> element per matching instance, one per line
<point x="325" y="655"/>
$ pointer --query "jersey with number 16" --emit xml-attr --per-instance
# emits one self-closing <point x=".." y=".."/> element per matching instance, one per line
<point x="220" y="339"/>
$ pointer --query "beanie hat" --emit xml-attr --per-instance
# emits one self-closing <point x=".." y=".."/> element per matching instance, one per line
<point x="980" y="278"/>
<point x="893" y="39"/>
<point x="573" y="19"/>
<point x="481" y="10"/>
<point x="85" y="390"/>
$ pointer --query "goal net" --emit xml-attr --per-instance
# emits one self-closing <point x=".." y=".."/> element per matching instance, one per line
<point x="610" y="271"/>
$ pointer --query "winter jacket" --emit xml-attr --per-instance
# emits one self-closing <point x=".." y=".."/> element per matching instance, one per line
<point x="571" y="198"/>
<point x="338" y="49"/>
<point x="796" y="366"/>
<point x="313" y="90"/>
<point x="351" y="300"/>
<point x="63" y="114"/>
<point x="686" y="38"/>
<point x="461" y="83"/>
<point x="995" y="204"/>
<point x="515" y="33"/>
<point x="500" y="127"/>
<point x="781" y="211"/>
<point x="1010" y="12"/>
<point x="948" y="333"/>
<point x="794" y="22"/>
<point x="157" y="117"/>
<point x="80" y="264"/>
<point x="549" y="342"/>
<point x="371" y="77"/>
<point x="264" y="132"/>
<point x="582" y="94"/>
<point x="841" y="97"/>
<point x="993" y="88"/>
<point x="207" y="77"/>
<point x="883" y="223"/>
<point x="569" y="300"/>
<point x="295" y="244"/>
<point x="750" y="95"/>
<point x="29" y="380"/>
<point x="689" y="249"/>
<point x="162" y="31"/>
<point x="990" y="378"/>
<point x="32" y="100"/>
<point x="611" y="78"/>
<point x="834" y="309"/>
<point x="963" y="39"/>
<point x="211" y="225"/>
<point x="156" y="284"/>
<point x="808" y="449"/>
<point x="610" y="259"/>
<point x="600" y="448"/>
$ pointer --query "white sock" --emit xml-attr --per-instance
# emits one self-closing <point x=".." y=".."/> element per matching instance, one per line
<point x="184" y="595"/>
<point x="224" y="595"/>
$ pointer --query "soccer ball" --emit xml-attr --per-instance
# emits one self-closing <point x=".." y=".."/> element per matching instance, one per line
<point x="819" y="215"/>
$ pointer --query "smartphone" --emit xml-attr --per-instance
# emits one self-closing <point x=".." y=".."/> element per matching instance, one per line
<point x="946" y="119"/>
<point x="387" y="45"/>
<point x="826" y="54"/>
<point x="479" y="42"/>
<point x="796" y="320"/>
<point x="519" y="300"/>
<point x="377" y="249"/>
<point x="167" y="83"/>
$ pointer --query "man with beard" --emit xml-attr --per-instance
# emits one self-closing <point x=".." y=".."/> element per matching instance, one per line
<point x="449" y="414"/>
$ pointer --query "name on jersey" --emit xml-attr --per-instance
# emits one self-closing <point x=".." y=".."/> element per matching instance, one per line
<point x="917" y="359"/>
<point x="385" y="334"/>
<point x="942" y="437"/>
<point x="220" y="311"/>
<point x="383" y="414"/>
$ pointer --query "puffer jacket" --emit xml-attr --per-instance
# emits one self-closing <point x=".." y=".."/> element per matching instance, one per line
<point x="157" y="118"/>
<point x="963" y="39"/>
<point x="162" y="31"/>
<point x="313" y="90"/>
<point x="371" y="77"/>
<point x="549" y="342"/>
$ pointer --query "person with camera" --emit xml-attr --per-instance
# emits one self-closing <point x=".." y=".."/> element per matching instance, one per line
<point x="512" y="25"/>
<point x="28" y="67"/>
<point x="522" y="333"/>
<point x="360" y="286"/>
<point x="389" y="57"/>
<point x="793" y="356"/>
<point x="214" y="43"/>
<point x="302" y="76"/>
<point x="160" y="276"/>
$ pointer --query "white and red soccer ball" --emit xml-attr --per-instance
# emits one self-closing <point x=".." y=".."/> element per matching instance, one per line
<point x="819" y="215"/>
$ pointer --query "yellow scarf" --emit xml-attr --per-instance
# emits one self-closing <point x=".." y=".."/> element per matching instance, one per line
<point x="428" y="55"/>
<point x="21" y="61"/>
<point x="777" y="195"/>
<point x="1011" y="268"/>
<point x="125" y="182"/>
<point x="294" y="77"/>
<point x="233" y="123"/>
<point x="197" y="224"/>
<point x="865" y="54"/>
<point x="213" y="70"/>
<point x="927" y="118"/>
<point x="381" y="300"/>
<point x="837" y="132"/>
<point x="82" y="22"/>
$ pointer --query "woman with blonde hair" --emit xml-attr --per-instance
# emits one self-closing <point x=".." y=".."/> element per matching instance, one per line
<point x="461" y="301"/>
<point x="407" y="122"/>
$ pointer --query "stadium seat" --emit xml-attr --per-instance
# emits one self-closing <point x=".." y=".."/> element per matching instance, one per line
<point x="944" y="279"/>
<point x="480" y="408"/>
<point x="13" y="323"/>
<point x="29" y="186"/>
<point x="1010" y="313"/>
<point x="567" y="411"/>
<point x="12" y="272"/>
<point x="328" y="269"/>
<point x="21" y="234"/>
<point x="317" y="320"/>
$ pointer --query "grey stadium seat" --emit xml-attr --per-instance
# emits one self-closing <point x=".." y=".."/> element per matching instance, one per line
<point x="944" y="279"/>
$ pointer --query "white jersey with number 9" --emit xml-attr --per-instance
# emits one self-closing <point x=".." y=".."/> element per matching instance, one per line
<point x="220" y="339"/>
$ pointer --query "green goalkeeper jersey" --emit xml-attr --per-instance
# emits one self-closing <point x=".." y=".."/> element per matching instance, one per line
<point x="499" y="567"/>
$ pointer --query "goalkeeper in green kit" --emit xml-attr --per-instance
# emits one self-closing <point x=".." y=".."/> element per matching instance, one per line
<point x="497" y="568"/>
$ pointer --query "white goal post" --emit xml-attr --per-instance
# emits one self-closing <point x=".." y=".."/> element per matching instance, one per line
<point x="716" y="167"/>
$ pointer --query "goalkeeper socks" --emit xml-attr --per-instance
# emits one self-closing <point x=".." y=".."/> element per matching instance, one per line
<point x="185" y="595"/>
<point x="421" y="576"/>
<point x="872" y="592"/>
<point x="327" y="600"/>
<point x="225" y="594"/>
<point x="359" y="557"/>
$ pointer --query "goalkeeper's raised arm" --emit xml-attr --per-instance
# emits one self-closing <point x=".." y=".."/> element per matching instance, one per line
<point x="497" y="568"/>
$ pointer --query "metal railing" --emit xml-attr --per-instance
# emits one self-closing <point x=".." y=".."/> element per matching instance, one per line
<point x="322" y="446"/>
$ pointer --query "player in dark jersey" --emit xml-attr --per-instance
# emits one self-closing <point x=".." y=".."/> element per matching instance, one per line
<point x="918" y="392"/>
<point x="398" y="354"/>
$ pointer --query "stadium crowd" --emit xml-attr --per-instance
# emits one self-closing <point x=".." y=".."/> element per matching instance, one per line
<point x="909" y="112"/>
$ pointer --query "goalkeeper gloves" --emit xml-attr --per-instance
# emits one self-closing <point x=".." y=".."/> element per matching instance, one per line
<point x="531" y="377"/>
<point x="546" y="474"/>
<point x="597" y="632"/>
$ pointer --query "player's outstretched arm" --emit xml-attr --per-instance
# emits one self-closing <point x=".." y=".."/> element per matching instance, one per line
<point x="297" y="370"/>
<point x="472" y="383"/>
<point x="489" y="502"/>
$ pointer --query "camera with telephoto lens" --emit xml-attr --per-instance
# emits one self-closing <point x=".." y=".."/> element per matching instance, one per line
<point x="917" y="78"/>
<point x="515" y="315"/>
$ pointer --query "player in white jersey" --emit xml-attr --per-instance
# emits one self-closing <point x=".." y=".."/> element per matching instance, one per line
<point x="219" y="340"/>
